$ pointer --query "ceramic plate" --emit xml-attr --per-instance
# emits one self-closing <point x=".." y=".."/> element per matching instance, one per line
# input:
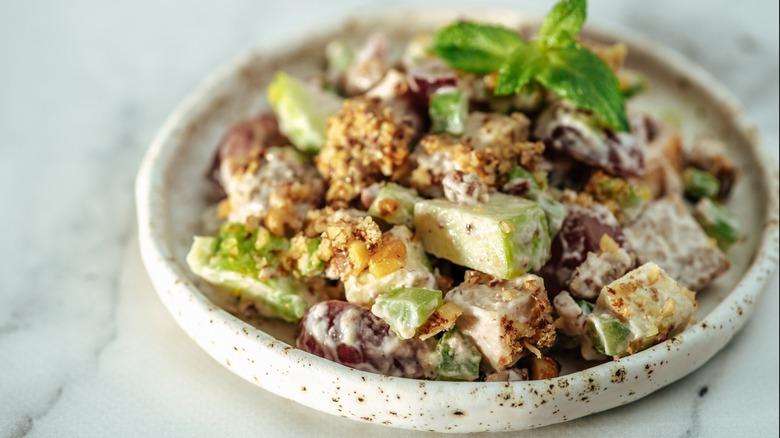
<point x="172" y="194"/>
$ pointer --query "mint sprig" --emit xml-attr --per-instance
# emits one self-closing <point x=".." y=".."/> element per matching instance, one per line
<point x="475" y="48"/>
<point x="554" y="59"/>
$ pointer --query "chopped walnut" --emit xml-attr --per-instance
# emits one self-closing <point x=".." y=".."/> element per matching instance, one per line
<point x="365" y="143"/>
<point x="349" y="237"/>
<point x="491" y="146"/>
<point x="441" y="320"/>
<point x="544" y="367"/>
<point x="277" y="186"/>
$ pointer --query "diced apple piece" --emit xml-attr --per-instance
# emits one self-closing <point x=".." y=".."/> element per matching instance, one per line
<point x="505" y="237"/>
<point x="639" y="310"/>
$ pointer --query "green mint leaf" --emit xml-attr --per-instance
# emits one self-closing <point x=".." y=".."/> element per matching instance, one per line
<point x="555" y="60"/>
<point x="522" y="66"/>
<point x="577" y="74"/>
<point x="475" y="48"/>
<point x="565" y="19"/>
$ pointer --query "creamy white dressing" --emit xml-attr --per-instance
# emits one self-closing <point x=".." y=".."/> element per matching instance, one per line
<point x="571" y="314"/>
<point x="598" y="270"/>
<point x="254" y="193"/>
<point x="364" y="288"/>
<point x="649" y="302"/>
<point x="577" y="132"/>
<point x="485" y="130"/>
<point x="465" y="188"/>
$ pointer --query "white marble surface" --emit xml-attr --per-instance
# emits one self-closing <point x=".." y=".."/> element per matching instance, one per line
<point x="87" y="349"/>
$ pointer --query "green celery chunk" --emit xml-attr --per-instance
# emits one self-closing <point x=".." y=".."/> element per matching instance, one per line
<point x="246" y="251"/>
<point x="609" y="336"/>
<point x="234" y="259"/>
<point x="394" y="204"/>
<point x="448" y="110"/>
<point x="309" y="264"/>
<point x="717" y="222"/>
<point x="302" y="111"/>
<point x="407" y="308"/>
<point x="700" y="184"/>
<point x="505" y="237"/>
<point x="457" y="359"/>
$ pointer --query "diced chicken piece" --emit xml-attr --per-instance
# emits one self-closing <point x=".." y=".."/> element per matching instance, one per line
<point x="709" y="154"/>
<point x="600" y="269"/>
<point x="491" y="146"/>
<point x="277" y="187"/>
<point x="506" y="319"/>
<point x="663" y="174"/>
<point x="564" y="127"/>
<point x="639" y="310"/>
<point x="399" y="260"/>
<point x="365" y="143"/>
<point x="668" y="234"/>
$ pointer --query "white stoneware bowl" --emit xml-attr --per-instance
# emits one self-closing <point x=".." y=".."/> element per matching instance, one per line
<point x="172" y="194"/>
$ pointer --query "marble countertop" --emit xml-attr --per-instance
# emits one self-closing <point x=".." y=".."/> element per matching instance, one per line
<point x="86" y="347"/>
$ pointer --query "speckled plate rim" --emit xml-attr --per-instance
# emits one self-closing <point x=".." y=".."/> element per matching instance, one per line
<point x="429" y="405"/>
